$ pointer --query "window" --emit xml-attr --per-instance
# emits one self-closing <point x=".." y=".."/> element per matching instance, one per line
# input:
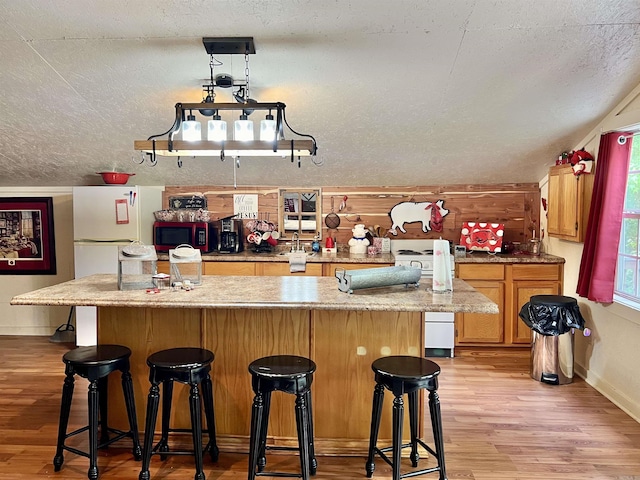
<point x="627" y="287"/>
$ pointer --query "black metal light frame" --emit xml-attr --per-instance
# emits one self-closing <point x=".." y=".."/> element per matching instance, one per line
<point x="153" y="146"/>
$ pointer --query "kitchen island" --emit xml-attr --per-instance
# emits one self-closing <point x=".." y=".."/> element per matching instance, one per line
<point x="242" y="318"/>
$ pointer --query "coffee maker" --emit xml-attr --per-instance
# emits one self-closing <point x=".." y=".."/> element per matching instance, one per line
<point x="230" y="235"/>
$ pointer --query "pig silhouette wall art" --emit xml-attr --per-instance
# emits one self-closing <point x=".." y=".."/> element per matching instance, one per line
<point x="430" y="214"/>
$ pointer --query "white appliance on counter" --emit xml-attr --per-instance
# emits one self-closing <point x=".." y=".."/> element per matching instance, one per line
<point x="105" y="217"/>
<point x="439" y="328"/>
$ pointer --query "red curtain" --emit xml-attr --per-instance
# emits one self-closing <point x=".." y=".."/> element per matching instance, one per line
<point x="599" y="256"/>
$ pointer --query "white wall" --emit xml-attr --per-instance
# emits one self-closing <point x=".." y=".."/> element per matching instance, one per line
<point x="608" y="359"/>
<point x="28" y="320"/>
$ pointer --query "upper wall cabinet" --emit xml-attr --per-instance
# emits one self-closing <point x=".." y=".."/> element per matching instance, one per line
<point x="299" y="211"/>
<point x="569" y="202"/>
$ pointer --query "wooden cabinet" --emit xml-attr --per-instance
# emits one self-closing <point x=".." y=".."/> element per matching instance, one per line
<point x="568" y="203"/>
<point x="229" y="268"/>
<point x="329" y="269"/>
<point x="510" y="286"/>
<point x="529" y="280"/>
<point x="217" y="268"/>
<point x="481" y="327"/>
<point x="273" y="268"/>
<point x="283" y="268"/>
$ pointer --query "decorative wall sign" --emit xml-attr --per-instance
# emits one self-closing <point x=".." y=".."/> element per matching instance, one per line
<point x="245" y="206"/>
<point x="485" y="237"/>
<point x="193" y="201"/>
<point x="431" y="214"/>
<point x="27" y="244"/>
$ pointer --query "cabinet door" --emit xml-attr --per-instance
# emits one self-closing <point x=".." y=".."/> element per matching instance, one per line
<point x="281" y="268"/>
<point x="329" y="269"/>
<point x="163" y="266"/>
<point x="553" y="213"/>
<point x="522" y="292"/>
<point x="568" y="205"/>
<point x="563" y="202"/>
<point x="229" y="268"/>
<point x="482" y="327"/>
<point x="569" y="202"/>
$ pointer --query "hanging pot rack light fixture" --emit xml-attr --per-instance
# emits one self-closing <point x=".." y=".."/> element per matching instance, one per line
<point x="272" y="140"/>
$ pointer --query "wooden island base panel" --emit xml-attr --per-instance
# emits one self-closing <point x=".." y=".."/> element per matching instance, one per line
<point x="241" y="319"/>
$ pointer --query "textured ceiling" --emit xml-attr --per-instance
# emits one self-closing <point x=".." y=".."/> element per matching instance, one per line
<point x="416" y="92"/>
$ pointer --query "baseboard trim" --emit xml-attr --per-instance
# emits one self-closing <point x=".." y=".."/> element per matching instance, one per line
<point x="34" y="331"/>
<point x="628" y="405"/>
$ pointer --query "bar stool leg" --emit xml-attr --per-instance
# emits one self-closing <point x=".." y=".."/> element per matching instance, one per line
<point x="313" y="463"/>
<point x="196" y="429"/>
<point x="376" y="412"/>
<point x="127" y="388"/>
<point x="264" y="427"/>
<point x="207" y="396"/>
<point x="413" y="425"/>
<point x="303" y="434"/>
<point x="103" y="389"/>
<point x="398" y="414"/>
<point x="149" y="428"/>
<point x="93" y="401"/>
<point x="436" y="423"/>
<point x="65" y="409"/>
<point x="167" y="398"/>
<point x="254" y="443"/>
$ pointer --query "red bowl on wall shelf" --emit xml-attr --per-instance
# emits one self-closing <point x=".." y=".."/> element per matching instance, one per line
<point x="115" y="178"/>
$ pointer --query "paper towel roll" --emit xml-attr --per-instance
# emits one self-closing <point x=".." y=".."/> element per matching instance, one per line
<point x="297" y="262"/>
<point x="442" y="280"/>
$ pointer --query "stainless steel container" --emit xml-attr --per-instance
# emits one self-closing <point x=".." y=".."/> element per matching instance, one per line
<point x="552" y="358"/>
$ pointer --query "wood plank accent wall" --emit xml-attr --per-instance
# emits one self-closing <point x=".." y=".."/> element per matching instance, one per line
<point x="516" y="205"/>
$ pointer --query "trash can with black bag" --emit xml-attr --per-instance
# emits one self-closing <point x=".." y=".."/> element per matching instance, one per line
<point x="553" y="320"/>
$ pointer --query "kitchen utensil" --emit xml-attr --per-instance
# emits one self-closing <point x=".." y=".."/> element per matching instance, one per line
<point x="332" y="220"/>
<point x="343" y="203"/>
<point x="115" y="178"/>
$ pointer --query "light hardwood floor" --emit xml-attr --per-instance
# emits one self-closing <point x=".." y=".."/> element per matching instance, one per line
<point x="498" y="424"/>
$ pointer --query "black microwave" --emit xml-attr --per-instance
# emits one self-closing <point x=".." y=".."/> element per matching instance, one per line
<point x="200" y="235"/>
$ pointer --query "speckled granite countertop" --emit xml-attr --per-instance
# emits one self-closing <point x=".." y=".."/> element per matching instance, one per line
<point x="346" y="257"/>
<point x="250" y="256"/>
<point x="319" y="293"/>
<point x="482" y="257"/>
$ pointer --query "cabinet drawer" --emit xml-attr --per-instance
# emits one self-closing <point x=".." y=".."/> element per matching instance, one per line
<point x="282" y="268"/>
<point x="229" y="268"/>
<point x="536" y="272"/>
<point x="480" y="271"/>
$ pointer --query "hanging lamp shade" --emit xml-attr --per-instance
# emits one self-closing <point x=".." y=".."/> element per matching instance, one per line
<point x="191" y="129"/>
<point x="216" y="129"/>
<point x="268" y="129"/>
<point x="243" y="129"/>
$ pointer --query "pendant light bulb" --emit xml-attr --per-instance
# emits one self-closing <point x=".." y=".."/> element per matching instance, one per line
<point x="191" y="129"/>
<point x="268" y="129"/>
<point x="243" y="129"/>
<point x="216" y="129"/>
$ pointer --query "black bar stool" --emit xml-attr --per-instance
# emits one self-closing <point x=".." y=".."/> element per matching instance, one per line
<point x="95" y="364"/>
<point x="190" y="366"/>
<point x="406" y="375"/>
<point x="288" y="374"/>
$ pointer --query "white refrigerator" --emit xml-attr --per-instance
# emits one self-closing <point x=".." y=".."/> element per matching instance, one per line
<point x="105" y="217"/>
